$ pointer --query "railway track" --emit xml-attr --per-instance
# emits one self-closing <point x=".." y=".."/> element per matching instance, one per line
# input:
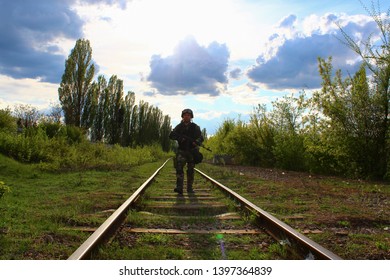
<point x="213" y="223"/>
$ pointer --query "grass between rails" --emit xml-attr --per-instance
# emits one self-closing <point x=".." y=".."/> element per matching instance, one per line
<point x="191" y="246"/>
<point x="157" y="210"/>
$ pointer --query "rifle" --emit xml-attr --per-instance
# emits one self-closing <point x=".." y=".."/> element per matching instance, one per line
<point x="204" y="147"/>
<point x="193" y="141"/>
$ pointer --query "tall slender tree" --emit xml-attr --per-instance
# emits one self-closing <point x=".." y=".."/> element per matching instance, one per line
<point x="115" y="110"/>
<point x="74" y="91"/>
<point x="164" y="133"/>
<point x="127" y="134"/>
<point x="100" y="88"/>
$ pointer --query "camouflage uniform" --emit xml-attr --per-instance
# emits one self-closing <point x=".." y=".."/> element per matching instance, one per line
<point x="185" y="134"/>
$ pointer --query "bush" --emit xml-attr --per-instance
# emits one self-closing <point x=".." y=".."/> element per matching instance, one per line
<point x="72" y="133"/>
<point x="30" y="147"/>
<point x="289" y="151"/>
<point x="7" y="122"/>
<point x="51" y="129"/>
<point x="244" y="146"/>
<point x="57" y="147"/>
<point x="3" y="189"/>
<point x="325" y="155"/>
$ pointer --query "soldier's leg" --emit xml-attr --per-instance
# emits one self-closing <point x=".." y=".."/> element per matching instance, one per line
<point x="180" y="162"/>
<point x="190" y="173"/>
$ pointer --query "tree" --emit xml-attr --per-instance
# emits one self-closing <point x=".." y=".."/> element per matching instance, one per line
<point x="75" y="93"/>
<point x="375" y="52"/>
<point x="127" y="135"/>
<point x="204" y="134"/>
<point x="28" y="114"/>
<point x="55" y="113"/>
<point x="218" y="142"/>
<point x="114" y="110"/>
<point x="263" y="130"/>
<point x="287" y="119"/>
<point x="7" y="121"/>
<point x="100" y="89"/>
<point x="354" y="118"/>
<point x="165" y="130"/>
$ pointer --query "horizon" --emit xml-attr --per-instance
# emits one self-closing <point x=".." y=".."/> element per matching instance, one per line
<point x="219" y="58"/>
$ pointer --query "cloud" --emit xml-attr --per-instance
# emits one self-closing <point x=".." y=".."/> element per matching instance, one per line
<point x="288" y="21"/>
<point x="291" y="61"/>
<point x="120" y="3"/>
<point x="191" y="69"/>
<point x="22" y="91"/>
<point x="252" y="86"/>
<point x="30" y="35"/>
<point x="235" y="73"/>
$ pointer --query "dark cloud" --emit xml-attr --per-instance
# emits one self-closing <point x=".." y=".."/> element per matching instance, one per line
<point x="191" y="69"/>
<point x="288" y="21"/>
<point x="120" y="3"/>
<point x="295" y="63"/>
<point x="252" y="86"/>
<point x="28" y="30"/>
<point x="235" y="73"/>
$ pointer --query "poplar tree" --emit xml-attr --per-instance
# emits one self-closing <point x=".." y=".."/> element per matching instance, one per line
<point x="75" y="90"/>
<point x="115" y="110"/>
<point x="100" y="88"/>
<point x="127" y="134"/>
<point x="164" y="133"/>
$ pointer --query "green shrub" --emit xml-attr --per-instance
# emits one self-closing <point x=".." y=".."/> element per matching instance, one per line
<point x="3" y="189"/>
<point x="72" y="133"/>
<point x="289" y="151"/>
<point x="66" y="148"/>
<point x="7" y="121"/>
<point x="51" y="129"/>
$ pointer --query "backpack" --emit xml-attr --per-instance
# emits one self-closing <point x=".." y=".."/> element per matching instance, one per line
<point x="197" y="156"/>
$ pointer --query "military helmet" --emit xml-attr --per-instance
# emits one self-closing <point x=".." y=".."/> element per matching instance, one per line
<point x="189" y="111"/>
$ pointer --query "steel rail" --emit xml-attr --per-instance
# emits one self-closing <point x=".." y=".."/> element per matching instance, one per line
<point x="278" y="229"/>
<point x="112" y="223"/>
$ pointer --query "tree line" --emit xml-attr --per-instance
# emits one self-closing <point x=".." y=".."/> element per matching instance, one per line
<point x="101" y="107"/>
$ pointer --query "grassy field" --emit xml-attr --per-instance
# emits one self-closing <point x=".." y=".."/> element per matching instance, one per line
<point x="350" y="218"/>
<point x="35" y="214"/>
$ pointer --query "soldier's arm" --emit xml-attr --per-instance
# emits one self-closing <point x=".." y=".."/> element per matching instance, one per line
<point x="199" y="137"/>
<point x="175" y="134"/>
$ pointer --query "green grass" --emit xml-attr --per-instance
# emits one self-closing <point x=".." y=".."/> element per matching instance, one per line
<point x="40" y="209"/>
<point x="327" y="204"/>
<point x="37" y="215"/>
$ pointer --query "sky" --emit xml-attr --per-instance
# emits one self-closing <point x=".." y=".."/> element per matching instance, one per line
<point x="221" y="58"/>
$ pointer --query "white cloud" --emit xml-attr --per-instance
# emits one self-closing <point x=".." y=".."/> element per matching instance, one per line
<point x="26" y="91"/>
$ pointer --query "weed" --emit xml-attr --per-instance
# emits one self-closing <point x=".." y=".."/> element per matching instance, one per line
<point x="3" y="189"/>
<point x="344" y="224"/>
<point x="278" y="249"/>
<point x="155" y="239"/>
<point x="382" y="246"/>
